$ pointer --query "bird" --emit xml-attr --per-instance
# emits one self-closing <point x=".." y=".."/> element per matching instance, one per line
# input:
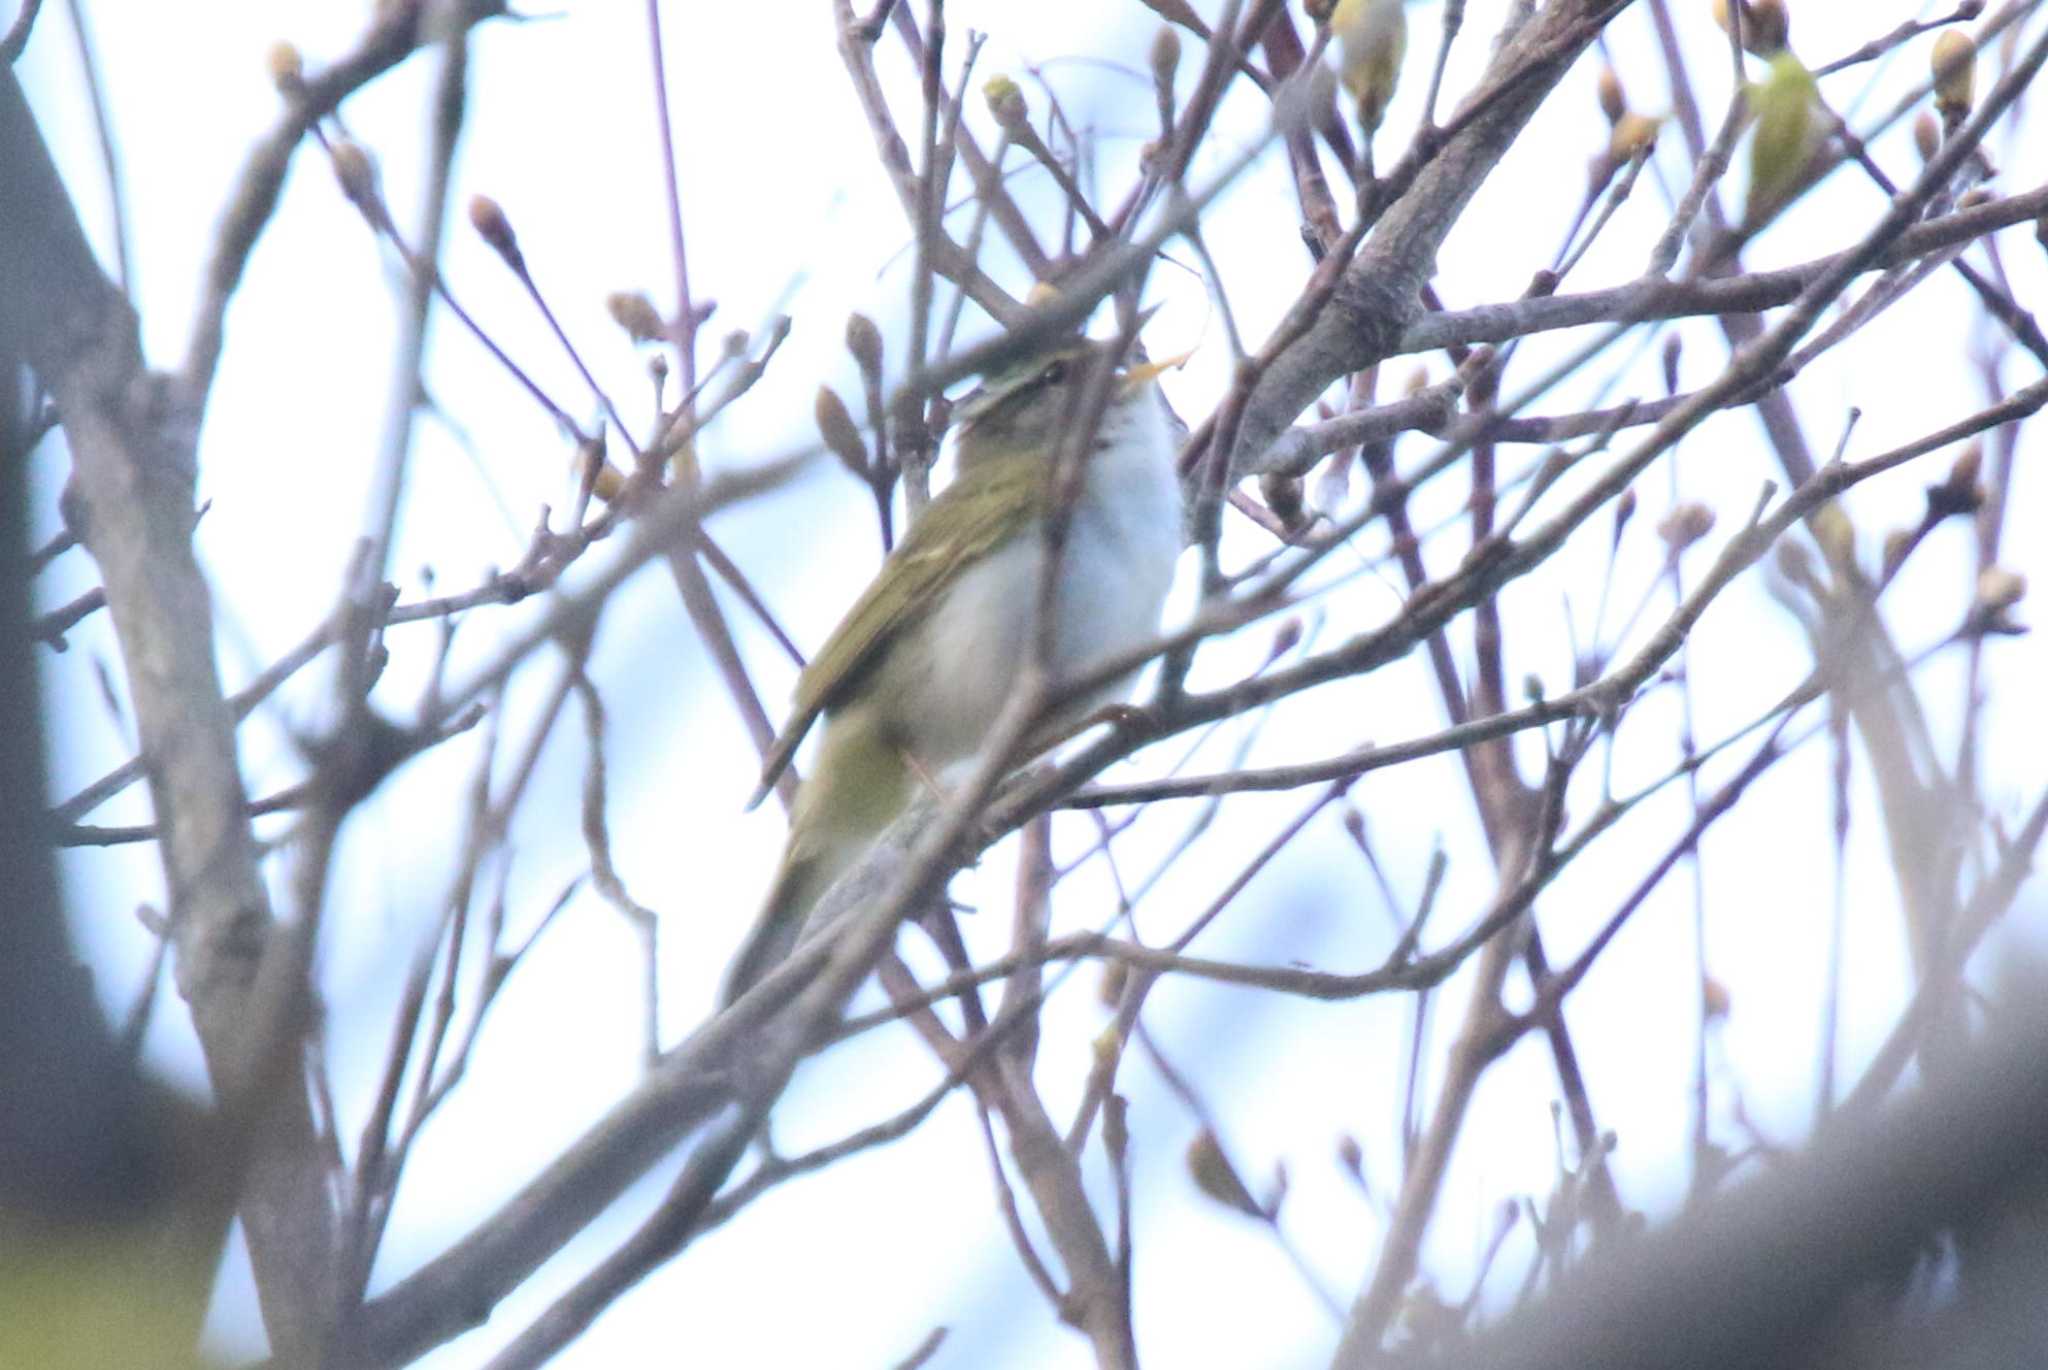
<point x="910" y="682"/>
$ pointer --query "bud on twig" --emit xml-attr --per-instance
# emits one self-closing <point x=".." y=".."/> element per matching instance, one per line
<point x="1926" y="136"/>
<point x="1715" y="1001"/>
<point x="1351" y="1156"/>
<point x="1110" y="987"/>
<point x="1165" y="56"/>
<point x="840" y="432"/>
<point x="1954" y="63"/>
<point x="1613" y="103"/>
<point x="1999" y="589"/>
<point x="864" y="341"/>
<point x="1958" y="493"/>
<point x="1686" y="524"/>
<point x="357" y="174"/>
<point x="1633" y="136"/>
<point x="1766" y="28"/>
<point x="606" y="480"/>
<point x="1116" y="1127"/>
<point x="1795" y="563"/>
<point x="287" y="70"/>
<point x="1216" y="1177"/>
<point x="490" y="223"/>
<point x="635" y="313"/>
<point x="1006" y="102"/>
<point x="1835" y="534"/>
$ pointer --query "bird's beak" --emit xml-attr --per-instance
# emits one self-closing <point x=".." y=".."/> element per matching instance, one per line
<point x="1146" y="371"/>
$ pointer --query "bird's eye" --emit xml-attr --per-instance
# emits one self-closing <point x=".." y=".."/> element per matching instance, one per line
<point x="1053" y="373"/>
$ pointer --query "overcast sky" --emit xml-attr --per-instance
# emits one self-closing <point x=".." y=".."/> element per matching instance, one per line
<point x="786" y="211"/>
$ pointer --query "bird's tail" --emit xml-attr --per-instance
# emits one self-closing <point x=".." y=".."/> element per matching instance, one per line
<point x="773" y="936"/>
<point x="859" y="786"/>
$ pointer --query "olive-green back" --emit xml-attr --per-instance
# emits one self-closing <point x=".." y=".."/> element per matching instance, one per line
<point x="973" y="516"/>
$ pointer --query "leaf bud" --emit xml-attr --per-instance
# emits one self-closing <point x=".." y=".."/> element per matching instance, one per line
<point x="1795" y="563"/>
<point x="1926" y="136"/>
<point x="1998" y="589"/>
<point x="357" y="174"/>
<point x="487" y="217"/>
<point x="635" y="313"/>
<point x="1165" y="56"/>
<point x="1766" y="28"/>
<point x="1835" y="534"/>
<point x="1109" y="986"/>
<point x="864" y="341"/>
<point x="1715" y="1000"/>
<point x="1216" y="1177"/>
<point x="1686" y="524"/>
<point x="840" y="432"/>
<point x="1613" y="103"/>
<point x="287" y="70"/>
<point x="1765" y="25"/>
<point x="1954" y="64"/>
<point x="1006" y="102"/>
<point x="1634" y="135"/>
<point x="1959" y="492"/>
<point x="1351" y="1156"/>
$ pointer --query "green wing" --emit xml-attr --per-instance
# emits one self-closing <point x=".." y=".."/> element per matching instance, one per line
<point x="968" y="520"/>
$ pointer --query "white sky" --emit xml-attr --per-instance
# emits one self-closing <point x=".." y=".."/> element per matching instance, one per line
<point x="786" y="210"/>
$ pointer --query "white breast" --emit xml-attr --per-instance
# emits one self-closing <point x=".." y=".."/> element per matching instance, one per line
<point x="1122" y="544"/>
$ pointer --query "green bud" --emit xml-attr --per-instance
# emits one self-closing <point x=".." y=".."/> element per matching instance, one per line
<point x="1954" y="63"/>
<point x="1214" y="1175"/>
<point x="841" y="433"/>
<point x="1006" y="101"/>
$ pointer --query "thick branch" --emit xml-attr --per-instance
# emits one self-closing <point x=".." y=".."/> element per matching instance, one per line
<point x="133" y="471"/>
<point x="1381" y="292"/>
